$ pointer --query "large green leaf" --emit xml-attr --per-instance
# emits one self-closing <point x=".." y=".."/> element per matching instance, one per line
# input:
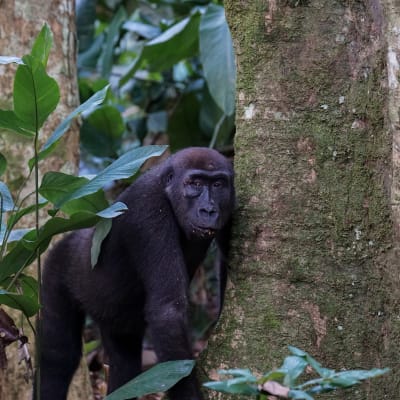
<point x="8" y="120"/>
<point x="15" y="260"/>
<point x="124" y="167"/>
<point x="217" y="57"/>
<point x="36" y="94"/>
<point x="160" y="378"/>
<point x="27" y="302"/>
<point x="56" y="186"/>
<point x="102" y="131"/>
<point x="106" y="61"/>
<point x="178" y="42"/>
<point x="6" y="200"/>
<point x="88" y="106"/>
<point x="42" y="46"/>
<point x="10" y="60"/>
<point x="16" y="216"/>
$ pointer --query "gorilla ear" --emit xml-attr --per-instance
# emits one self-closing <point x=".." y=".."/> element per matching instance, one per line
<point x="168" y="176"/>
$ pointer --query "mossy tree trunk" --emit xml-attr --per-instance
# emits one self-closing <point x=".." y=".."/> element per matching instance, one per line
<point x="20" y="22"/>
<point x="315" y="252"/>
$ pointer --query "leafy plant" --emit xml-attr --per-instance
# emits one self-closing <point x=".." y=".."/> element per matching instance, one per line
<point x="159" y="378"/>
<point x="283" y="382"/>
<point x="172" y="69"/>
<point x="82" y="200"/>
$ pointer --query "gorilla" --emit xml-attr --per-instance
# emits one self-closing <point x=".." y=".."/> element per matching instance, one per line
<point x="142" y="275"/>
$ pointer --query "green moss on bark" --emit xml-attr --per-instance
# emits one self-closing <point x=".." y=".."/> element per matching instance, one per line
<point x="312" y="238"/>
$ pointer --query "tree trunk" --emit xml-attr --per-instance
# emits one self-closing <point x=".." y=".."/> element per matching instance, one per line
<point x="20" y="23"/>
<point x="315" y="248"/>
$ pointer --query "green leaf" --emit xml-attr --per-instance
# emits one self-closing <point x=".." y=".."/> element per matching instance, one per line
<point x="21" y="295"/>
<point x="299" y="395"/>
<point x="15" y="260"/>
<point x="178" y="42"/>
<point x="101" y="230"/>
<point x="102" y="131"/>
<point x="3" y="164"/>
<point x="36" y="94"/>
<point x="16" y="216"/>
<point x="42" y="46"/>
<point x="10" y="60"/>
<point x="124" y="167"/>
<point x="217" y="57"/>
<point x="160" y="378"/>
<point x="323" y="372"/>
<point x="349" y="378"/>
<point x="6" y="200"/>
<point x="183" y="126"/>
<point x="294" y="366"/>
<point x="112" y="37"/>
<point x="226" y="387"/>
<point x="145" y="30"/>
<point x="245" y="373"/>
<point x="88" y="106"/>
<point x="27" y="304"/>
<point x="56" y="186"/>
<point x="113" y="211"/>
<point x="8" y="120"/>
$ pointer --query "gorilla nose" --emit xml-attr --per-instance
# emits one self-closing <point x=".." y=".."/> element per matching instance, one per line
<point x="208" y="212"/>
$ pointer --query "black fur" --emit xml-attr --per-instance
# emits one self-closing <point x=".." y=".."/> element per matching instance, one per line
<point x="142" y="276"/>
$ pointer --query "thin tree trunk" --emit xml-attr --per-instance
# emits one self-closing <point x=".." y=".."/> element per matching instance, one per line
<point x="315" y="252"/>
<point x="20" y="23"/>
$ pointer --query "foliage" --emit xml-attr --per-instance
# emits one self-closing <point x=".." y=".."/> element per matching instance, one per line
<point x="245" y="383"/>
<point x="81" y="200"/>
<point x="160" y="378"/>
<point x="171" y="68"/>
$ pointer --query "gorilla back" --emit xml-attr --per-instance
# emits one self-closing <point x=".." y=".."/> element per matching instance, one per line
<point x="142" y="275"/>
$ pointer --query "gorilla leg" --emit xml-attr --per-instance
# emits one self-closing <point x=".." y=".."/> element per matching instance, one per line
<point x="61" y="336"/>
<point x="124" y="352"/>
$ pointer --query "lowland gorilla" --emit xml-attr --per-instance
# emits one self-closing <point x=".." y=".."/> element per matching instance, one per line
<point x="142" y="275"/>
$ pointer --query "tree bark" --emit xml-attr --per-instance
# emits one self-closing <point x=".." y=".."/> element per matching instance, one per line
<point x="315" y="248"/>
<point x="20" y="23"/>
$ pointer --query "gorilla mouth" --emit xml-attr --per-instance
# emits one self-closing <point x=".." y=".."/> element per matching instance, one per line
<point x="203" y="231"/>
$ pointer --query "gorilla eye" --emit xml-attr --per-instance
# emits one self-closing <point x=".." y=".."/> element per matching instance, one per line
<point x="195" y="183"/>
<point x="217" y="184"/>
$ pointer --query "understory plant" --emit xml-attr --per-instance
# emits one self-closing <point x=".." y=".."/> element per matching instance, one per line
<point x="71" y="202"/>
<point x="283" y="383"/>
